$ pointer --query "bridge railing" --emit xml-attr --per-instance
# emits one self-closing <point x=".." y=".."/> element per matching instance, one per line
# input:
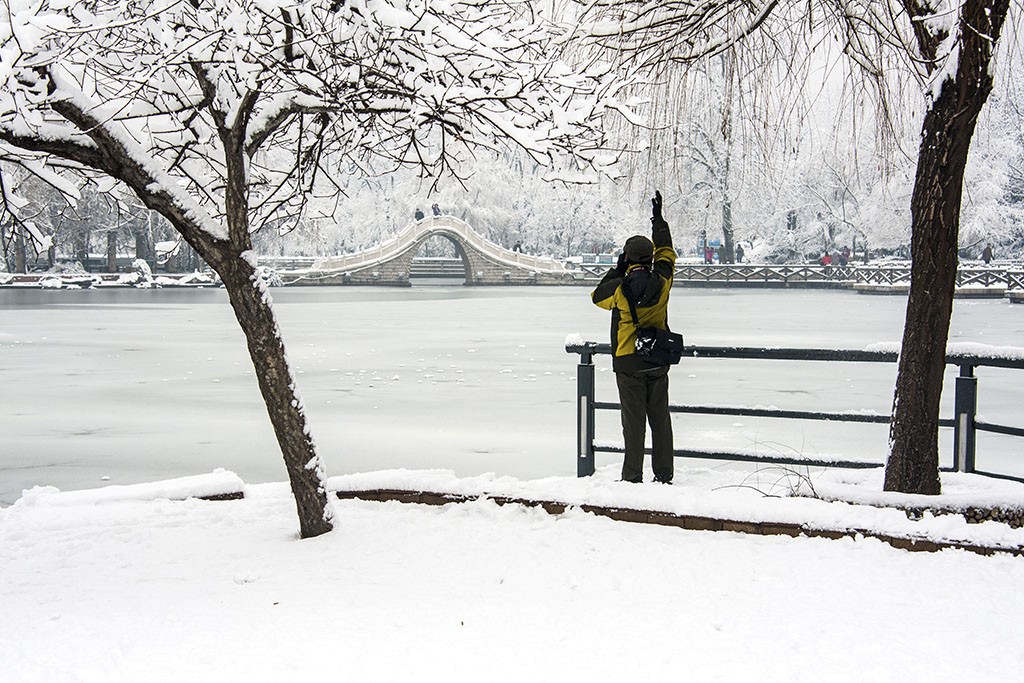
<point x="744" y="272"/>
<point x="750" y="273"/>
<point x="382" y="252"/>
<point x="882" y="275"/>
<point x="967" y="276"/>
<point x="964" y="421"/>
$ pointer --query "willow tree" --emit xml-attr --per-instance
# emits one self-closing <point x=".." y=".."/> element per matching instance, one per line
<point x="949" y="46"/>
<point x="226" y="116"/>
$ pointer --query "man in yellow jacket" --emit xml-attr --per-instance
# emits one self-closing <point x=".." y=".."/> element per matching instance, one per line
<point x="642" y="277"/>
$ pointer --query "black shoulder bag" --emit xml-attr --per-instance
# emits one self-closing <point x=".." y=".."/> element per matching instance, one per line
<point x="661" y="347"/>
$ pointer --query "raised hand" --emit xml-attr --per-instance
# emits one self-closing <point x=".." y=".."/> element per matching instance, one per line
<point x="656" y="206"/>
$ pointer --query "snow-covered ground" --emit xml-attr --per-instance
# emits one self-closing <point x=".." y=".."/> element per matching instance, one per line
<point x="122" y="584"/>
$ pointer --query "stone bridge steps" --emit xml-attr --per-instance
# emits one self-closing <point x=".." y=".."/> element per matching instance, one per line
<point x="437" y="267"/>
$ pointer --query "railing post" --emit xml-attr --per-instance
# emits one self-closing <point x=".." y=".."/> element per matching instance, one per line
<point x="585" y="414"/>
<point x="966" y="405"/>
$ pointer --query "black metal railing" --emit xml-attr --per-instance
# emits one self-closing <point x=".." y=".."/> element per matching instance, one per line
<point x="964" y="421"/>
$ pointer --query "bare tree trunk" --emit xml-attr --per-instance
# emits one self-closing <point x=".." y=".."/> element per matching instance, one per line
<point x="251" y="304"/>
<point x="3" y="247"/>
<point x="728" y="234"/>
<point x="20" y="255"/>
<point x="112" y="251"/>
<point x="144" y="244"/>
<point x="913" y="465"/>
<point x="726" y="254"/>
<point x="82" y="248"/>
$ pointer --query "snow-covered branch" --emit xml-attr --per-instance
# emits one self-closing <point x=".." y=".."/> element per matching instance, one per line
<point x="675" y="31"/>
<point x="304" y="86"/>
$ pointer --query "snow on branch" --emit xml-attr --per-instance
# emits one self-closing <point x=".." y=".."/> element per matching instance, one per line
<point x="676" y="31"/>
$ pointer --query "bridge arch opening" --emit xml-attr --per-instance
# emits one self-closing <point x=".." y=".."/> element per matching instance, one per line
<point x="439" y="260"/>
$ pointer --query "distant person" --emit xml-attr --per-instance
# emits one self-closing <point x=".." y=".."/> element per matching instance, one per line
<point x="709" y="255"/>
<point x="986" y="255"/>
<point x="518" y="246"/>
<point x="739" y="253"/>
<point x="636" y="291"/>
<point x="825" y="260"/>
<point x="418" y="215"/>
<point x="436" y="209"/>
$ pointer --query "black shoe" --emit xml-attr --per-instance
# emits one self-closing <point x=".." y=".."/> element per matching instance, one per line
<point x="661" y="480"/>
<point x="633" y="481"/>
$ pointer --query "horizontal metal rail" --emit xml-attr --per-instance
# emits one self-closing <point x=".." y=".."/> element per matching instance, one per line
<point x="770" y="412"/>
<point x="736" y="456"/>
<point x="998" y="429"/>
<point x="964" y="422"/>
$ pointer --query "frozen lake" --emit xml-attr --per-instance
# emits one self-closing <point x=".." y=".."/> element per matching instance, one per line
<point x="125" y="385"/>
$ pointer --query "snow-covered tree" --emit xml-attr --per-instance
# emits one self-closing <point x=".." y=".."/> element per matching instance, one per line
<point x="225" y="116"/>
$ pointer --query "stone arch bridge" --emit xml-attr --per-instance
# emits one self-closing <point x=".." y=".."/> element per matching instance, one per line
<point x="389" y="263"/>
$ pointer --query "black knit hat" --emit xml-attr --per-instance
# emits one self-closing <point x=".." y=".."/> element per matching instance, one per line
<point x="639" y="249"/>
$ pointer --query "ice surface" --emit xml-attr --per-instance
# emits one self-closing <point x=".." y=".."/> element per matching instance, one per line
<point x="143" y="385"/>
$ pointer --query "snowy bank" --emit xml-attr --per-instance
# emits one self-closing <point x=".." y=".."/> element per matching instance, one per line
<point x="218" y="485"/>
<point x="840" y="501"/>
<point x="172" y="590"/>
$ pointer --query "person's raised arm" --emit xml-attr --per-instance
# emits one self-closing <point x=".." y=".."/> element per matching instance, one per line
<point x="660" y="234"/>
<point x="664" y="254"/>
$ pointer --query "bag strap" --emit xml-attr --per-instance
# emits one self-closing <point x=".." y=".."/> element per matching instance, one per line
<point x="632" y="304"/>
<point x="632" y="309"/>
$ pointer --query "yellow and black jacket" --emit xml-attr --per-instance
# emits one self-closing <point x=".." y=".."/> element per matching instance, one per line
<point x="649" y="287"/>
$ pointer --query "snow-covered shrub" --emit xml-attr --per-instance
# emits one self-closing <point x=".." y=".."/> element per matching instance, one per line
<point x="142" y="268"/>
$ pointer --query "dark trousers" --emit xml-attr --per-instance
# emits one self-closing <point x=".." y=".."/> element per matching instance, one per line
<point x="644" y="398"/>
